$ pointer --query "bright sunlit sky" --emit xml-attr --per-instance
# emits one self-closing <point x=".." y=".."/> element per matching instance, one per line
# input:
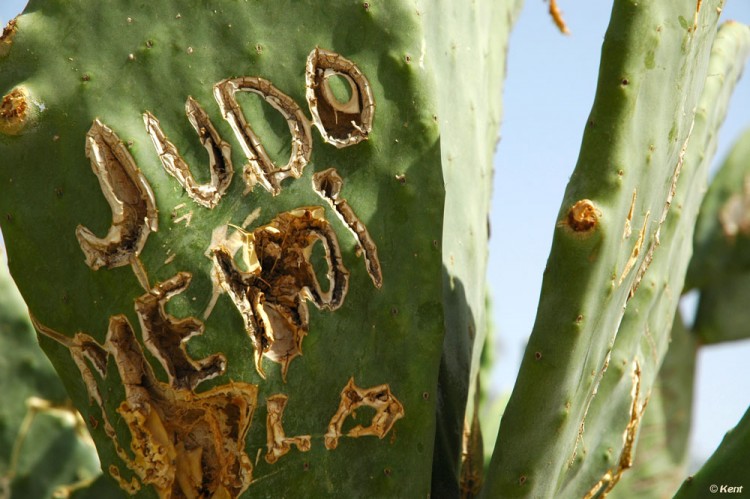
<point x="548" y="94"/>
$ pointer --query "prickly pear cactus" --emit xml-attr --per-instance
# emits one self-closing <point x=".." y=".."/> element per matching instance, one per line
<point x="226" y="219"/>
<point x="44" y="447"/>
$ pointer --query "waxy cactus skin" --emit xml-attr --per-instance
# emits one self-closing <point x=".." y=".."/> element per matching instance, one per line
<point x="251" y="237"/>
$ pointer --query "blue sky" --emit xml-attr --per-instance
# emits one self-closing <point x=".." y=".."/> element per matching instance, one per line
<point x="548" y="95"/>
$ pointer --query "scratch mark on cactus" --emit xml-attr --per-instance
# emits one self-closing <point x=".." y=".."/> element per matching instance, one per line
<point x="260" y="168"/>
<point x="557" y="17"/>
<point x="582" y="426"/>
<point x="340" y="123"/>
<point x="328" y="185"/>
<point x="219" y="156"/>
<point x="636" y="249"/>
<point x="637" y="409"/>
<point x="187" y="218"/>
<point x="388" y="410"/>
<point x="665" y="211"/>
<point x="277" y="442"/>
<point x="272" y="295"/>
<point x="15" y="111"/>
<point x="734" y="215"/>
<point x="183" y="444"/>
<point x="134" y="213"/>
<point x="166" y="337"/>
<point x="628" y="221"/>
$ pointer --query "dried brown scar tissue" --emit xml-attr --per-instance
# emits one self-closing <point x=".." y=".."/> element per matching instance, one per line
<point x="134" y="214"/>
<point x="185" y="444"/>
<point x="388" y="410"/>
<point x="261" y="169"/>
<point x="219" y="156"/>
<point x="328" y="185"/>
<point x="277" y="442"/>
<point x="341" y="123"/>
<point x="272" y="296"/>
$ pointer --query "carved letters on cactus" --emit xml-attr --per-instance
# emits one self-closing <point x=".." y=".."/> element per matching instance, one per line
<point x="166" y="337"/>
<point x="341" y="123"/>
<point x="219" y="156"/>
<point x="261" y="169"/>
<point x="129" y="194"/>
<point x="272" y="296"/>
<point x="184" y="444"/>
<point x="188" y="444"/>
<point x="277" y="442"/>
<point x="328" y="185"/>
<point x="388" y="410"/>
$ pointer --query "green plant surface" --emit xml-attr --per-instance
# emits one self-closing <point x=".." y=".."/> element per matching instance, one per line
<point x="643" y="336"/>
<point x="613" y="218"/>
<point x="719" y="266"/>
<point x="725" y="471"/>
<point x="74" y="63"/>
<point x="721" y="234"/>
<point x="43" y="446"/>
<point x="662" y="452"/>
<point x="455" y="36"/>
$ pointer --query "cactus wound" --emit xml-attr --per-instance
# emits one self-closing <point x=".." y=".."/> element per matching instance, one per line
<point x="261" y="169"/>
<point x="219" y="156"/>
<point x="734" y="216"/>
<point x="277" y="441"/>
<point x="636" y="248"/>
<point x="341" y="123"/>
<point x="388" y="410"/>
<point x="328" y="185"/>
<point x="166" y="337"/>
<point x="612" y="476"/>
<point x="184" y="444"/>
<point x="131" y="199"/>
<point x="6" y="39"/>
<point x="272" y="296"/>
<point x="582" y="218"/>
<point x="15" y="111"/>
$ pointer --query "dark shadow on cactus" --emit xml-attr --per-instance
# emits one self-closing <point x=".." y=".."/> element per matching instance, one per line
<point x="453" y="388"/>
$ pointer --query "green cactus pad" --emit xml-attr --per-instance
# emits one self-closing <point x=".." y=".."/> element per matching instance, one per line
<point x="725" y="472"/>
<point x="158" y="185"/>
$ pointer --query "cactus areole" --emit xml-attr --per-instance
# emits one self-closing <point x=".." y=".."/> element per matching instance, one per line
<point x="224" y="220"/>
